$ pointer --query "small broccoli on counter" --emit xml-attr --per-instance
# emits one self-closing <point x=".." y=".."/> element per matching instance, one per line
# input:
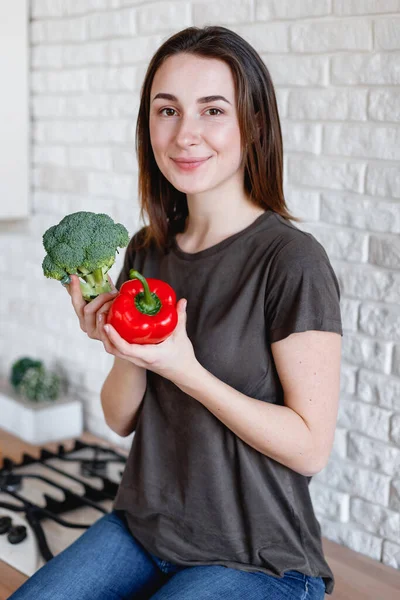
<point x="31" y="380"/>
<point x="83" y="244"/>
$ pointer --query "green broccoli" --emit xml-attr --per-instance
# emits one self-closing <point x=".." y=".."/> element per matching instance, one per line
<point x="83" y="244"/>
<point x="20" y="367"/>
<point x="39" y="385"/>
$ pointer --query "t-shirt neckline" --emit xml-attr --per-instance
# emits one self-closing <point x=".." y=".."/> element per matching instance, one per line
<point x="220" y="245"/>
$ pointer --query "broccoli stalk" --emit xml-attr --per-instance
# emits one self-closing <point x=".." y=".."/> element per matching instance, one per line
<point x="83" y="244"/>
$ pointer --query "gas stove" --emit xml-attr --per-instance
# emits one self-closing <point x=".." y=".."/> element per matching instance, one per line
<point x="46" y="503"/>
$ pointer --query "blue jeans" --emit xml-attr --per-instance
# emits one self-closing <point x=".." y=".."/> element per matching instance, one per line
<point x="107" y="563"/>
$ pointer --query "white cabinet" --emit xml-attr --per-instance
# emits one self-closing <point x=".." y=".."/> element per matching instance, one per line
<point x="14" y="110"/>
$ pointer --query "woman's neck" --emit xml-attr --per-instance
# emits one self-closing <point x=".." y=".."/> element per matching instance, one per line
<point x="204" y="230"/>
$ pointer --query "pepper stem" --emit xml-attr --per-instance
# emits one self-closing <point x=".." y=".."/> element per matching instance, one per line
<point x="147" y="302"/>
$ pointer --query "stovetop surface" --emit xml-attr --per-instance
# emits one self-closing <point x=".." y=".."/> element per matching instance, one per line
<point x="46" y="503"/>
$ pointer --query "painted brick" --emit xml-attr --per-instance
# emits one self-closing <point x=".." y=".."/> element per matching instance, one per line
<point x="266" y="37"/>
<point x="328" y="503"/>
<point x="365" y="418"/>
<point x="294" y="70"/>
<point x="111" y="185"/>
<point x="349" y="311"/>
<point x="59" y="179"/>
<point x="330" y="104"/>
<point x="65" y="8"/>
<point x="328" y="36"/>
<point x="301" y="137"/>
<point x="365" y="352"/>
<point x="66" y="30"/>
<point x="348" y="374"/>
<point x="82" y="157"/>
<point x="339" y="449"/>
<point x="303" y="204"/>
<point x="343" y="476"/>
<point x="351" y="210"/>
<point x="341" y="243"/>
<point x="379" y="389"/>
<point x="395" y="429"/>
<point x="326" y="173"/>
<point x="363" y="69"/>
<point x="59" y="81"/>
<point x="384" y="105"/>
<point x="353" y="537"/>
<point x="387" y="33"/>
<point x="160" y="16"/>
<point x="365" y="7"/>
<point x="383" y="180"/>
<point x="384" y="251"/>
<point x="222" y="12"/>
<point x="111" y="24"/>
<point x="135" y="50"/>
<point x="381" y="321"/>
<point x="287" y="9"/>
<point x="112" y="79"/>
<point x="373" y="454"/>
<point x="49" y="155"/>
<point x="362" y="141"/>
<point x="391" y="554"/>
<point x="396" y="360"/>
<point x="394" y="502"/>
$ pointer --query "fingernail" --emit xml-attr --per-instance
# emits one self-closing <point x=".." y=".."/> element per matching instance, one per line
<point x="66" y="280"/>
<point x="100" y="318"/>
<point x="107" y="328"/>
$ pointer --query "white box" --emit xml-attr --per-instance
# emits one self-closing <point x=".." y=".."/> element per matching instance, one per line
<point x="39" y="422"/>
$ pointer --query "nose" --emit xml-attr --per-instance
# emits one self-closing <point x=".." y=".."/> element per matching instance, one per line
<point x="188" y="131"/>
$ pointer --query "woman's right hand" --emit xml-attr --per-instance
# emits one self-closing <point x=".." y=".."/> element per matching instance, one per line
<point x="91" y="315"/>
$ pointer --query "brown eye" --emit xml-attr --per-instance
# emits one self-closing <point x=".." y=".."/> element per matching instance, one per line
<point x="220" y="112"/>
<point x="163" y="109"/>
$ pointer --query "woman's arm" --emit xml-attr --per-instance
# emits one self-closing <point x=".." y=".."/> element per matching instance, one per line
<point x="121" y="396"/>
<point x="299" y="434"/>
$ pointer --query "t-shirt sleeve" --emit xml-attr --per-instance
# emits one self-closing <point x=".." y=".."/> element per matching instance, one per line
<point x="303" y="294"/>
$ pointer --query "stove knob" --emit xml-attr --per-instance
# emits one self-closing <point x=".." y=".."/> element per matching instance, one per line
<point x="17" y="534"/>
<point x="5" y="524"/>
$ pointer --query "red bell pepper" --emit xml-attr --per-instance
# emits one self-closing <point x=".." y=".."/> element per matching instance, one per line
<point x="144" y="311"/>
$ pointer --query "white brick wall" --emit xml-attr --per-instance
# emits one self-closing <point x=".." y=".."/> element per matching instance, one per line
<point x="336" y="67"/>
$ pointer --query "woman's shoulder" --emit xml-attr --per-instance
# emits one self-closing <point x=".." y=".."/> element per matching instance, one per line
<point x="291" y="243"/>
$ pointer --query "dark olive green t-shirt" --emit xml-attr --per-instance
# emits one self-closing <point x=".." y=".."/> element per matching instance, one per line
<point x="193" y="492"/>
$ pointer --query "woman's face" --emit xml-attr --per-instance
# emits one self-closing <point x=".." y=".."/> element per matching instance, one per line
<point x="193" y="116"/>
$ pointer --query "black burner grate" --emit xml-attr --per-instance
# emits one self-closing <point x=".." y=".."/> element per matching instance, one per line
<point x="93" y="466"/>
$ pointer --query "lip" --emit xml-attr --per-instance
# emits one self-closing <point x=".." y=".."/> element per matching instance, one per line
<point x="187" y="164"/>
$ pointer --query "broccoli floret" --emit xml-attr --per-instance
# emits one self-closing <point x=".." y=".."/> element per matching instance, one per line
<point x="84" y="244"/>
<point x="20" y="367"/>
<point x="39" y="385"/>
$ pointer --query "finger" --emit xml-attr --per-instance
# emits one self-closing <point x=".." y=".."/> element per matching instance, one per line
<point x="92" y="308"/>
<point x="101" y="320"/>
<point x="108" y="346"/>
<point x="138" y="351"/>
<point x="78" y="301"/>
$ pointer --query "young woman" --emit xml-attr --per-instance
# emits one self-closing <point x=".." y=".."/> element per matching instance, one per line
<point x="234" y="412"/>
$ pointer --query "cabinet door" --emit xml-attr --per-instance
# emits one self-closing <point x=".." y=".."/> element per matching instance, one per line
<point x="14" y="110"/>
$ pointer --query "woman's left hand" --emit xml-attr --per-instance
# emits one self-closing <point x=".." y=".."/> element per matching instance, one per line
<point x="174" y="358"/>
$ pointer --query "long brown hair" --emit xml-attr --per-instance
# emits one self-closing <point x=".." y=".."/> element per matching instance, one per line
<point x="259" y="126"/>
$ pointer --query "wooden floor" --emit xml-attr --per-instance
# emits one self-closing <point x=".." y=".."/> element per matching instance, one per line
<point x="357" y="577"/>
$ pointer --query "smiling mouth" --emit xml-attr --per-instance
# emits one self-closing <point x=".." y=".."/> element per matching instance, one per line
<point x="190" y="165"/>
<point x="189" y="161"/>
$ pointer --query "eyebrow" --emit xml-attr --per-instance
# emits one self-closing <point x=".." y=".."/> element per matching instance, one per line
<point x="203" y="100"/>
